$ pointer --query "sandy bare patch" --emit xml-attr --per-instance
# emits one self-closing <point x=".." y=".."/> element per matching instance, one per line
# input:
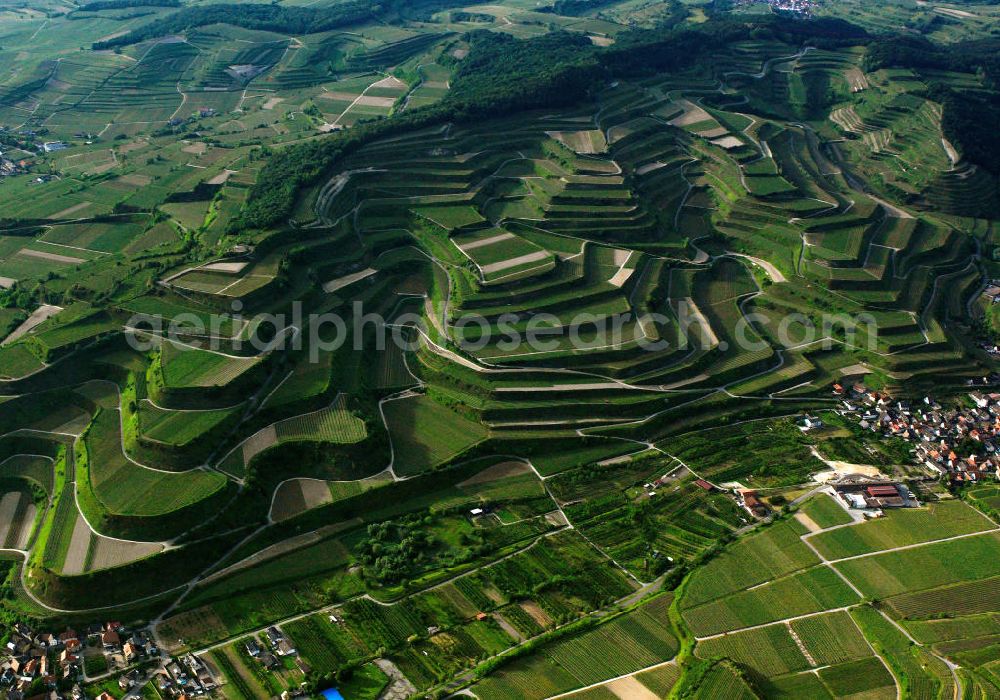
<point x="109" y="553"/>
<point x="950" y="151"/>
<point x="713" y="133"/>
<point x="539" y="615"/>
<point x="297" y="496"/>
<point x="258" y="442"/>
<point x="486" y="241"/>
<point x="197" y="148"/>
<point x="807" y="521"/>
<point x="372" y="101"/>
<point x="273" y="102"/>
<point x="692" y="114"/>
<point x="341" y="282"/>
<point x="54" y="257"/>
<point x="7" y="282"/>
<point x="621" y="277"/>
<point x="230" y="267"/>
<point x="707" y="332"/>
<point x="629" y="688"/>
<point x="27" y="525"/>
<point x="496" y="472"/>
<point x="556" y="519"/>
<point x="600" y="40"/>
<point x="857" y="79"/>
<point x="76" y="557"/>
<point x="221" y="178"/>
<point x="8" y="509"/>
<point x="69" y="211"/>
<point x="390" y="82"/>
<point x="727" y="142"/>
<point x="514" y="262"/>
<point x="961" y="14"/>
<point x="460" y="53"/>
<point x="39" y="315"/>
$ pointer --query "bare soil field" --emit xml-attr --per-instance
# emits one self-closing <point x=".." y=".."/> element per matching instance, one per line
<point x="297" y="496"/>
<point x="79" y="544"/>
<point x="258" y="442"/>
<point x="230" y="267"/>
<point x="221" y="178"/>
<point x="8" y="509"/>
<point x="39" y="315"/>
<point x="629" y="688"/>
<point x="808" y="522"/>
<point x="727" y="142"/>
<point x="487" y="241"/>
<point x="537" y="256"/>
<point x="372" y="101"/>
<point x="692" y="114"/>
<point x="110" y="553"/>
<point x="27" y="525"/>
<point x="54" y="257"/>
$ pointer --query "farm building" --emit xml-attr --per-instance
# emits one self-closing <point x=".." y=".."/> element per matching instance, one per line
<point x="875" y="495"/>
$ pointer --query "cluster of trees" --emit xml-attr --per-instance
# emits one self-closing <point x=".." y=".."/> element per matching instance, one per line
<point x="392" y="552"/>
<point x="274" y="18"/>
<point x="99" y="5"/>
<point x="574" y="8"/>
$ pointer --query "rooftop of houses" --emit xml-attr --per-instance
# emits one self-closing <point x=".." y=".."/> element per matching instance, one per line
<point x="962" y="442"/>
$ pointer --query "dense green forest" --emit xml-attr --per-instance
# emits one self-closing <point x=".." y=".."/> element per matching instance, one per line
<point x="289" y="20"/>
<point x="99" y="5"/>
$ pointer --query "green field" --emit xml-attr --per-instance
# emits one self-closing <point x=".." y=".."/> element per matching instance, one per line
<point x="901" y="528"/>
<point x="425" y="433"/>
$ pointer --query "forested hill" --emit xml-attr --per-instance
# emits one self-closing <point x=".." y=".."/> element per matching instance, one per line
<point x="502" y="75"/>
<point x="288" y="20"/>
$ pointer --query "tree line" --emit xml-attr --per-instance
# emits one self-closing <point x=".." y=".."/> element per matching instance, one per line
<point x="99" y="5"/>
<point x="274" y="18"/>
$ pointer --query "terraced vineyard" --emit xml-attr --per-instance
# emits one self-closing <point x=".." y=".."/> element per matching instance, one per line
<point x="474" y="345"/>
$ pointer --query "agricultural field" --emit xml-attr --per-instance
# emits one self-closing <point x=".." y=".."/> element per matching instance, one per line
<point x="482" y="348"/>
